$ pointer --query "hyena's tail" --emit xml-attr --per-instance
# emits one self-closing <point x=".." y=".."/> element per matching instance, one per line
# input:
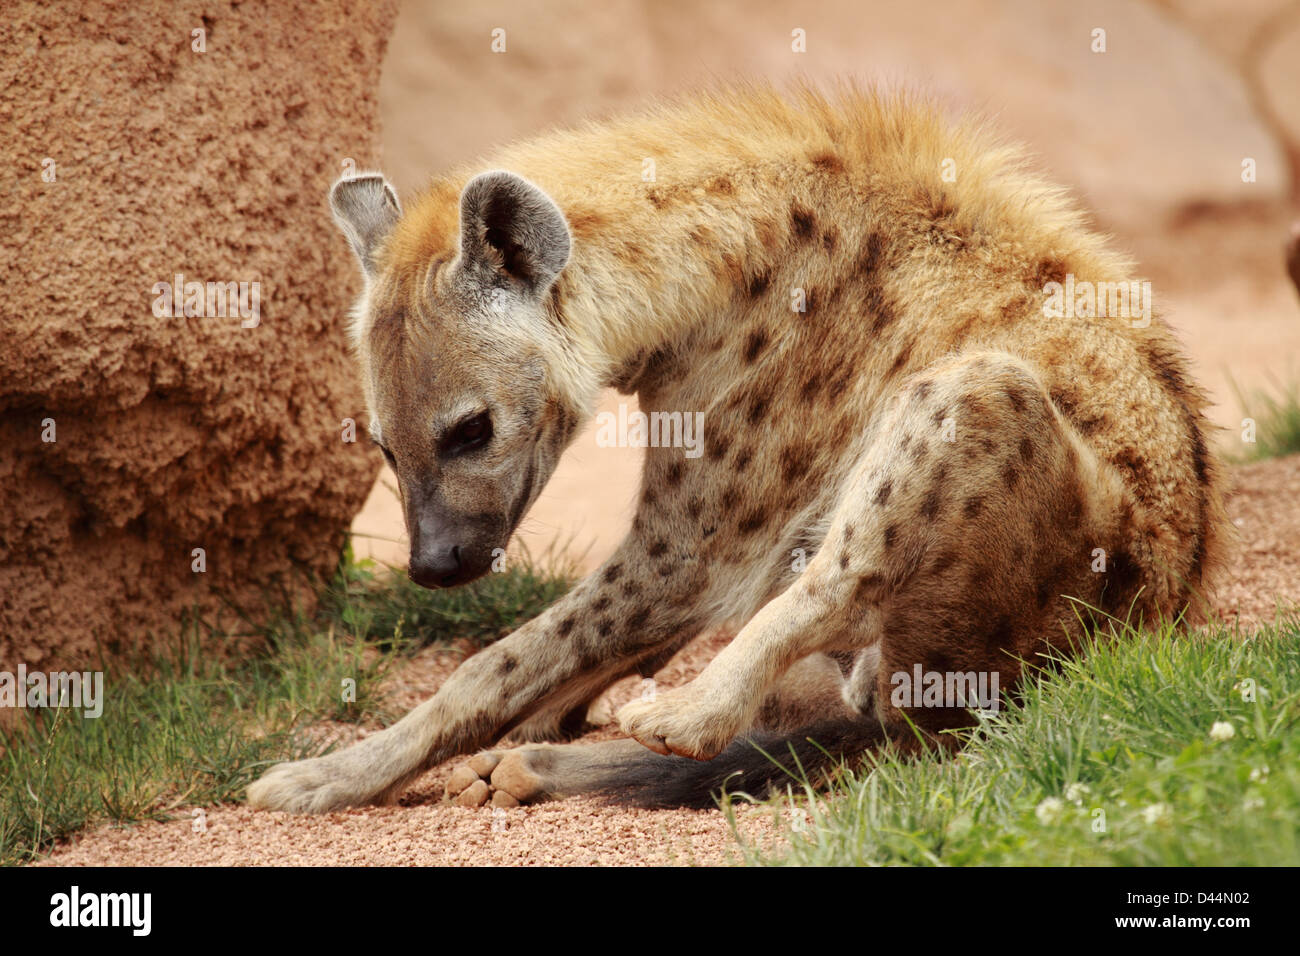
<point x="758" y="764"/>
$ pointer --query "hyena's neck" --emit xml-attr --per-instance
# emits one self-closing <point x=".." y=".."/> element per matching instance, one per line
<point x="675" y="263"/>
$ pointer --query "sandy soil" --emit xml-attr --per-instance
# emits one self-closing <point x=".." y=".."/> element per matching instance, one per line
<point x="424" y="831"/>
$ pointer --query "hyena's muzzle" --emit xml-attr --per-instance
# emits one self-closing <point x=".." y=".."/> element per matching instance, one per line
<point x="449" y="547"/>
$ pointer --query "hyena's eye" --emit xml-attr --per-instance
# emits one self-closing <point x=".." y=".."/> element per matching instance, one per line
<point x="471" y="433"/>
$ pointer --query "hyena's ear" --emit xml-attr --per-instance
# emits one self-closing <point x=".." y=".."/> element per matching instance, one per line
<point x="366" y="209"/>
<point x="511" y="226"/>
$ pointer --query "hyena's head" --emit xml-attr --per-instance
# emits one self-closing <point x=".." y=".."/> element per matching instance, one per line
<point x="459" y="346"/>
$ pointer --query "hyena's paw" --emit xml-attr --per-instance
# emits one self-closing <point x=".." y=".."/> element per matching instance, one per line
<point x="317" y="785"/>
<point x="500" y="777"/>
<point x="677" y="722"/>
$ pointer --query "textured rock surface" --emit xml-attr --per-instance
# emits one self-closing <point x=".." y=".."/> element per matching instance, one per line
<point x="174" y="433"/>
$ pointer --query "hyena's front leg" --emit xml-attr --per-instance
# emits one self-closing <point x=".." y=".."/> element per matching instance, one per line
<point x="600" y="631"/>
<point x="811" y="691"/>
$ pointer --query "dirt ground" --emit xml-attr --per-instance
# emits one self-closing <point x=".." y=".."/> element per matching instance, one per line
<point x="423" y="831"/>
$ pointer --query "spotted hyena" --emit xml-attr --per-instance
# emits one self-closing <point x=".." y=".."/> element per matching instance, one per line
<point x="912" y="461"/>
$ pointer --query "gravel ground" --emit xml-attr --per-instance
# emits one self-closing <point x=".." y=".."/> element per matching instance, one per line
<point x="1265" y="507"/>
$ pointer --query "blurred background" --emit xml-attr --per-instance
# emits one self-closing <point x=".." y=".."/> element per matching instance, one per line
<point x="1150" y="133"/>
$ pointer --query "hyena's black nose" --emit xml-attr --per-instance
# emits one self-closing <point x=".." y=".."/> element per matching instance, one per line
<point x="437" y="567"/>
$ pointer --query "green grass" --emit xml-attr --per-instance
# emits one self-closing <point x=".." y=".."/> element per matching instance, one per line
<point x="1125" y="731"/>
<point x="1277" y="422"/>
<point x="374" y="604"/>
<point x="182" y="728"/>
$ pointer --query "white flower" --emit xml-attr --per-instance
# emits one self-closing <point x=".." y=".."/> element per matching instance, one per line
<point x="1156" y="813"/>
<point x="1259" y="774"/>
<point x="1075" y="792"/>
<point x="1252" y="803"/>
<point x="1222" y="730"/>
<point x="1049" y="811"/>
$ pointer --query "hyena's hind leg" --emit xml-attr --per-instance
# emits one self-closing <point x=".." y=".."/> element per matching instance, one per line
<point x="975" y="507"/>
<point x="1007" y="525"/>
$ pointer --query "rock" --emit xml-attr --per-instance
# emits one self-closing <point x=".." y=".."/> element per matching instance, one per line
<point x="136" y="157"/>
